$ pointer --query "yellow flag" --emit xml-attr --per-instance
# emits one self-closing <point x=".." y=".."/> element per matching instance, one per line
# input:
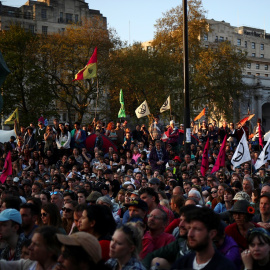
<point x="12" y="117"/>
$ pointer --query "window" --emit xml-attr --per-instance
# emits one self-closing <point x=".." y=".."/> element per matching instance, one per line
<point x="253" y="54"/>
<point x="205" y="37"/>
<point x="265" y="67"/>
<point x="239" y="51"/>
<point x="266" y="75"/>
<point x="76" y="18"/>
<point x="257" y="74"/>
<point x="44" y="30"/>
<point x="262" y="47"/>
<point x="61" y="17"/>
<point x="43" y="14"/>
<point x="245" y="44"/>
<point x="32" y="28"/>
<point x="238" y="42"/>
<point x="216" y="39"/>
<point x="249" y="73"/>
<point x="221" y="38"/>
<point x="262" y="55"/>
<point x="252" y="45"/>
<point x="248" y="65"/>
<point x="68" y="18"/>
<point x="257" y="66"/>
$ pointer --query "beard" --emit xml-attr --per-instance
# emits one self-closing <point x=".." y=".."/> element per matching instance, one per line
<point x="198" y="246"/>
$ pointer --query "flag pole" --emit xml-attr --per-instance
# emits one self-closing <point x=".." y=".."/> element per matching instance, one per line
<point x="96" y="99"/>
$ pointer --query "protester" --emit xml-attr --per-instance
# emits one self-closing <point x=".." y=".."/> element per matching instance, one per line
<point x="125" y="247"/>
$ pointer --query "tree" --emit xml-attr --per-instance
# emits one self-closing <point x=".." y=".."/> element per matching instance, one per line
<point x="215" y="72"/>
<point x="66" y="53"/>
<point x="142" y="75"/>
<point x="26" y="87"/>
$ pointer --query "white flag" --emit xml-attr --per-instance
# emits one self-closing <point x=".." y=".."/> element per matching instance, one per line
<point x="142" y="110"/>
<point x="264" y="156"/>
<point x="167" y="105"/>
<point x="241" y="153"/>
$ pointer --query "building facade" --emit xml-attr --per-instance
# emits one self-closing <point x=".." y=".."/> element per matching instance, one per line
<point x="48" y="16"/>
<point x="255" y="43"/>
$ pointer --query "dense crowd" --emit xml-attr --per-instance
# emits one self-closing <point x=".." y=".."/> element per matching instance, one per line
<point x="133" y="200"/>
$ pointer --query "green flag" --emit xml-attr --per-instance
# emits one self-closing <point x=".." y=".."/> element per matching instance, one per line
<point x="121" y="112"/>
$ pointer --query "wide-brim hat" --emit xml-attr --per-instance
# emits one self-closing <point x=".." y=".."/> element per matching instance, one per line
<point x="242" y="207"/>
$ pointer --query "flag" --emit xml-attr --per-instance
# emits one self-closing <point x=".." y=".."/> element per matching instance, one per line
<point x="220" y="162"/>
<point x="14" y="116"/>
<point x="241" y="153"/>
<point x="166" y="106"/>
<point x="205" y="161"/>
<point x="90" y="70"/>
<point x="200" y="115"/>
<point x="121" y="112"/>
<point x="245" y="119"/>
<point x="142" y="110"/>
<point x="260" y="136"/>
<point x="7" y="170"/>
<point x="264" y="156"/>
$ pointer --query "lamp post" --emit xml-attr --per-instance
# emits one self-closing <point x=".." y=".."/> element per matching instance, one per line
<point x="186" y="80"/>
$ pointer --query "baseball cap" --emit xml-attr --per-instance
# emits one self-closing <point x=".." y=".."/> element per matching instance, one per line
<point x="16" y="179"/>
<point x="85" y="240"/>
<point x="94" y="195"/>
<point x="108" y="171"/>
<point x="154" y="181"/>
<point x="138" y="203"/>
<point x="11" y="214"/>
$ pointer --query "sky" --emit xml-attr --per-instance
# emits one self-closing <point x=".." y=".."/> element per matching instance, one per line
<point x="134" y="20"/>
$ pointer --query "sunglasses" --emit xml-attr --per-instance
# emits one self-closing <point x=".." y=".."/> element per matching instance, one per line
<point x="215" y="191"/>
<point x="68" y="210"/>
<point x="44" y="214"/>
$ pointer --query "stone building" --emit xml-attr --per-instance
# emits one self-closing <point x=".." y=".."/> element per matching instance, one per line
<point x="48" y="16"/>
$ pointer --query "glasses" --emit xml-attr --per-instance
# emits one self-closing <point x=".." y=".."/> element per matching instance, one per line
<point x="44" y="214"/>
<point x="68" y="210"/>
<point x="55" y="193"/>
<point x="154" y="217"/>
<point x="214" y="191"/>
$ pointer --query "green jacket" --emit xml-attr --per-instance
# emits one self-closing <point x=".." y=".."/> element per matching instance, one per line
<point x="171" y="252"/>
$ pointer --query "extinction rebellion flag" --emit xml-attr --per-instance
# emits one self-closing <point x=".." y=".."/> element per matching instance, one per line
<point x="166" y="106"/>
<point x="142" y="110"/>
<point x="241" y="153"/>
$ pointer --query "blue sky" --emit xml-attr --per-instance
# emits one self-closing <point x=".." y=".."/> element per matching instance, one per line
<point x="134" y="20"/>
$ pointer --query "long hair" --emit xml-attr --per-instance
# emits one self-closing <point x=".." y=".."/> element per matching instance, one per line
<point x="53" y="211"/>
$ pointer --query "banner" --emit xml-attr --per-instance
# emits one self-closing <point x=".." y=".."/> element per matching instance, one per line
<point x="241" y="154"/>
<point x="220" y="162"/>
<point x="142" y="110"/>
<point x="90" y="70"/>
<point x="166" y="106"/>
<point x="205" y="161"/>
<point x="121" y="112"/>
<point x="264" y="156"/>
<point x="200" y="115"/>
<point x="14" y="116"/>
<point x="7" y="170"/>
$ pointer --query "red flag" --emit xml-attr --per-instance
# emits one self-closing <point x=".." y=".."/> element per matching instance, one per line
<point x="200" y="115"/>
<point x="245" y="119"/>
<point x="205" y="162"/>
<point x="220" y="162"/>
<point x="7" y="170"/>
<point x="90" y="70"/>
<point x="260" y="136"/>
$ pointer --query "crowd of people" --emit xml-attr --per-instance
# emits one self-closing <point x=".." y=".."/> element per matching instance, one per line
<point x="136" y="201"/>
